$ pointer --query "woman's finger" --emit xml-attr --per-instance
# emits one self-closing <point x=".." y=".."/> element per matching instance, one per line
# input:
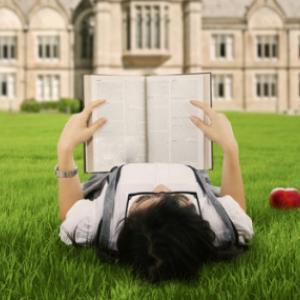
<point x="206" y="129"/>
<point x="200" y="124"/>
<point x="205" y="107"/>
<point x="89" y="108"/>
<point x="92" y="128"/>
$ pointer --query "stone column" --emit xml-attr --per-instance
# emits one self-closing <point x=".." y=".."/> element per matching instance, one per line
<point x="102" y="34"/>
<point x="192" y="42"/>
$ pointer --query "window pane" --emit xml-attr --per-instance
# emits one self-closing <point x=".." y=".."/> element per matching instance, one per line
<point x="5" y="51"/>
<point x="223" y="50"/>
<point x="46" y="83"/>
<point x="41" y="51"/>
<point x="39" y="88"/>
<point x="229" y="50"/>
<point x="259" y="50"/>
<point x="55" y="47"/>
<point x="274" y="50"/>
<point x="166" y="28"/>
<point x="267" y="50"/>
<point x="215" y="89"/>
<point x="4" y="87"/>
<point x="258" y="89"/>
<point x="13" y="51"/>
<point x="148" y="27"/>
<point x="221" y="90"/>
<point x="11" y="86"/>
<point x="128" y="22"/>
<point x="139" y="24"/>
<point x="55" y="88"/>
<point x="48" y="51"/>
<point x="273" y="90"/>
<point x="228" y="87"/>
<point x="87" y="38"/>
<point x="83" y="34"/>
<point x="55" y="51"/>
<point x="266" y="89"/>
<point x="157" y="28"/>
<point x="91" y="46"/>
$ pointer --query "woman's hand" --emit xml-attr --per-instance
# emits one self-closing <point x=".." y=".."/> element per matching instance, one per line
<point x="76" y="130"/>
<point x="218" y="130"/>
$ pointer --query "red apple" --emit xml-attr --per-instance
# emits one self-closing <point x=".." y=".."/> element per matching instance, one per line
<point x="284" y="198"/>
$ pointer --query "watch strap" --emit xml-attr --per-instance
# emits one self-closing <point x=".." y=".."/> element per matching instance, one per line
<point x="65" y="174"/>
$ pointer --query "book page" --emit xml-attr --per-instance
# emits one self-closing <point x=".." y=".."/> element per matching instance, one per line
<point x="122" y="138"/>
<point x="172" y="136"/>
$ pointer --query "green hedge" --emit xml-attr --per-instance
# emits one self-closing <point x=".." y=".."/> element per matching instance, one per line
<point x="69" y="105"/>
<point x="63" y="105"/>
<point x="49" y="105"/>
<point x="30" y="106"/>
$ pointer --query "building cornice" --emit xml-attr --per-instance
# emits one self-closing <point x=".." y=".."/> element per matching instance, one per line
<point x="241" y="23"/>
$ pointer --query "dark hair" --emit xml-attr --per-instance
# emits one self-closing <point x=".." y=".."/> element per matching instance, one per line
<point x="168" y="241"/>
<point x="165" y="241"/>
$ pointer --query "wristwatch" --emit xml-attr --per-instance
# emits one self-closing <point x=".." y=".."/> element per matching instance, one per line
<point x="65" y="174"/>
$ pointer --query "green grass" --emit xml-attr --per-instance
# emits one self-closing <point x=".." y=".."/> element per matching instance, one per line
<point x="35" y="264"/>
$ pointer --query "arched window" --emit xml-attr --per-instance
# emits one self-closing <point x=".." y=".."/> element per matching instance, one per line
<point x="87" y="38"/>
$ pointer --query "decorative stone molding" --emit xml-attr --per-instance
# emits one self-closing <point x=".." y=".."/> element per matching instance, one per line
<point x="14" y="6"/>
<point x="54" y="4"/>
<point x="257" y="4"/>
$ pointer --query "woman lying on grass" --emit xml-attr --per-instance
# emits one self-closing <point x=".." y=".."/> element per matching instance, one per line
<point x="161" y="234"/>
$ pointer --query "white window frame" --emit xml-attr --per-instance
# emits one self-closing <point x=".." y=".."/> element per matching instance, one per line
<point x="266" y="80"/>
<point x="215" y="47"/>
<point x="48" y="87"/>
<point x="10" y="80"/>
<point x="227" y="81"/>
<point x="43" y="42"/>
<point x="9" y="41"/>
<point x="270" y="41"/>
<point x="146" y="26"/>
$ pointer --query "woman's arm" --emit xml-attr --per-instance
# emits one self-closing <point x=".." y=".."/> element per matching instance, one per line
<point x="75" y="132"/>
<point x="69" y="190"/>
<point x="219" y="130"/>
<point x="232" y="181"/>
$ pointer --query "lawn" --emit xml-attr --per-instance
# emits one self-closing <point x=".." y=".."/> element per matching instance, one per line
<point x="34" y="264"/>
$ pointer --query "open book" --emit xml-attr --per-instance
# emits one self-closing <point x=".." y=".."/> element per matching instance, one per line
<point x="148" y="120"/>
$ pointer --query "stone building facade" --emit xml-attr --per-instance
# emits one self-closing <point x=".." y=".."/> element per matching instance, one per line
<point x="252" y="47"/>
